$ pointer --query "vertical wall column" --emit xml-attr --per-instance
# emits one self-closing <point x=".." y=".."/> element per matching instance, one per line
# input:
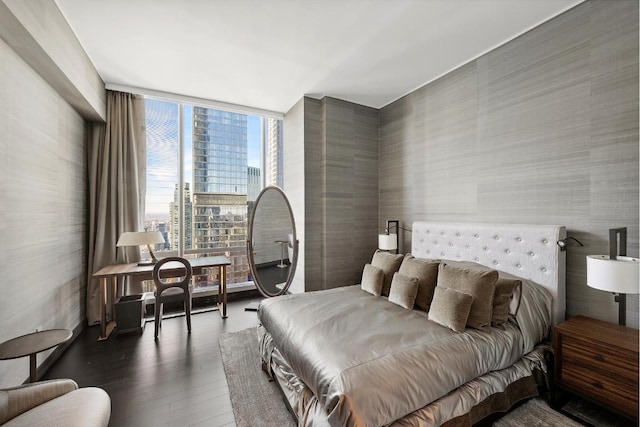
<point x="331" y="179"/>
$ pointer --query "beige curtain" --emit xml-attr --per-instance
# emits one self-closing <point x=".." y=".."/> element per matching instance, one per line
<point x="117" y="171"/>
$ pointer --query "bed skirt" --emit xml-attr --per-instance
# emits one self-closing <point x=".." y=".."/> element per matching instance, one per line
<point x="491" y="393"/>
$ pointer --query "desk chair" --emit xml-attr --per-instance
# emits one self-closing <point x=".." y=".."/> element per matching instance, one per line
<point x="168" y="290"/>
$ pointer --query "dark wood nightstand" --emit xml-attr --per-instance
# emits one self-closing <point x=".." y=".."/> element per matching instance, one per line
<point x="599" y="361"/>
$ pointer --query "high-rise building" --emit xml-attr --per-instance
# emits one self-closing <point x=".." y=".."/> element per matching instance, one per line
<point x="253" y="183"/>
<point x="174" y="219"/>
<point x="161" y="226"/>
<point x="273" y="140"/>
<point x="220" y="184"/>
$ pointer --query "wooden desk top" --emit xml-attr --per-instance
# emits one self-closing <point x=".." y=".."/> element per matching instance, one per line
<point x="32" y="343"/>
<point x="133" y="269"/>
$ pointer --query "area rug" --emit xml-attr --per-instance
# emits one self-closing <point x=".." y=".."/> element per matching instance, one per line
<point x="256" y="401"/>
<point x="535" y="413"/>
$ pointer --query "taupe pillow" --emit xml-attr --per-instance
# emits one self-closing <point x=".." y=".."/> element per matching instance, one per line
<point x="389" y="263"/>
<point x="427" y="273"/>
<point x="450" y="308"/>
<point x="372" y="278"/>
<point x="470" y="265"/>
<point x="480" y="284"/>
<point x="403" y="290"/>
<point x="501" y="298"/>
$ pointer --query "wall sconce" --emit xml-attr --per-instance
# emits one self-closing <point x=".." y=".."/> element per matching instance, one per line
<point x="563" y="243"/>
<point x="615" y="273"/>
<point x="389" y="241"/>
<point x="139" y="238"/>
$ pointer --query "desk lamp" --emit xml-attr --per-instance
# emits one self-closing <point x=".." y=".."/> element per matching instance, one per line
<point x="139" y="238"/>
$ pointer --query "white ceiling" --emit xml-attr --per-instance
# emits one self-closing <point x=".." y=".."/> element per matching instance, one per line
<point x="267" y="54"/>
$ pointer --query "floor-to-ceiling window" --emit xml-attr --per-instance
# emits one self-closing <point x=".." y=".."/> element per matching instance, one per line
<point x="205" y="167"/>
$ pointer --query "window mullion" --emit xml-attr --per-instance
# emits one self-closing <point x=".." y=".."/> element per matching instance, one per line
<point x="181" y="240"/>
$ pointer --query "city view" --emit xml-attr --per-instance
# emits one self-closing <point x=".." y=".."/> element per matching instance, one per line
<point x="204" y="171"/>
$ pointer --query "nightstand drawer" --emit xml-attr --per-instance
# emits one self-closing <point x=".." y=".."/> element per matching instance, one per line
<point x="616" y="362"/>
<point x="607" y="389"/>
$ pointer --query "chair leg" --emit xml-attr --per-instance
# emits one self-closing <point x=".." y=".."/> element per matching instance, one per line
<point x="187" y="309"/>
<point x="158" y="316"/>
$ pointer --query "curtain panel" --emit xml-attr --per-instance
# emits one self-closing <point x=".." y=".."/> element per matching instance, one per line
<point x="117" y="173"/>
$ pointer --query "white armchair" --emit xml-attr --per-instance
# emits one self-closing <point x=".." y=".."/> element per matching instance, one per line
<point x="54" y="403"/>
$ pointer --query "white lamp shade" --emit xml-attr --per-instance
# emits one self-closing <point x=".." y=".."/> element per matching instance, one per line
<point x="620" y="275"/>
<point x="388" y="242"/>
<point x="137" y="238"/>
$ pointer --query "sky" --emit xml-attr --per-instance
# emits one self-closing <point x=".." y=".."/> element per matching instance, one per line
<point x="162" y="151"/>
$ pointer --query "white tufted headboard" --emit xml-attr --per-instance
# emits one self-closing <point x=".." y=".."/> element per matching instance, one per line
<point x="527" y="251"/>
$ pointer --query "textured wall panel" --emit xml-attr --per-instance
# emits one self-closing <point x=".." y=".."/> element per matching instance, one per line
<point x="313" y="155"/>
<point x="338" y="187"/>
<point x="43" y="213"/>
<point x="349" y="190"/>
<point x="613" y="154"/>
<point x="541" y="130"/>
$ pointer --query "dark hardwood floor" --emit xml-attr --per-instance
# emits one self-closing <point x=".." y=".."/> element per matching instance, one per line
<point x="177" y="381"/>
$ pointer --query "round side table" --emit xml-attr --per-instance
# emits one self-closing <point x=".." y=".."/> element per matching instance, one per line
<point x="32" y="344"/>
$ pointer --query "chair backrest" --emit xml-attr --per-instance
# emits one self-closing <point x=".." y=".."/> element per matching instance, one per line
<point x="161" y="285"/>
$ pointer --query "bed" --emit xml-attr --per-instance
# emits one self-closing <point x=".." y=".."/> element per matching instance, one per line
<point x="345" y="356"/>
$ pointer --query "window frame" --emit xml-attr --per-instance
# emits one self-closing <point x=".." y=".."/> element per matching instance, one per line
<point x="181" y="101"/>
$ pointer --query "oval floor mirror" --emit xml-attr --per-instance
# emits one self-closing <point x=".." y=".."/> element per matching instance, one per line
<point x="272" y="244"/>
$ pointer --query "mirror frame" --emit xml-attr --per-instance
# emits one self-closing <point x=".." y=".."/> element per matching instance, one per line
<point x="250" y="248"/>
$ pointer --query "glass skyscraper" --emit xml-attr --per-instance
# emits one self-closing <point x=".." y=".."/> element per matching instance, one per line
<point x="220" y="185"/>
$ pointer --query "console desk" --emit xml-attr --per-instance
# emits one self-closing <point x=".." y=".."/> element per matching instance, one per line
<point x="115" y="271"/>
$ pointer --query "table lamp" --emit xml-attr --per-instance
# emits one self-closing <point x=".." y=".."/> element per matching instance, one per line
<point x="615" y="273"/>
<point x="139" y="238"/>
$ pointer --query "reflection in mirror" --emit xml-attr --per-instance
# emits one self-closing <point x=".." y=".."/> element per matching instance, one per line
<point x="272" y="244"/>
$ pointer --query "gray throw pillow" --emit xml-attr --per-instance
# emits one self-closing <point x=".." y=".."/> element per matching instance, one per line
<point x="480" y="284"/>
<point x="427" y="273"/>
<point x="505" y="289"/>
<point x="450" y="308"/>
<point x="389" y="263"/>
<point x="372" y="278"/>
<point x="403" y="290"/>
